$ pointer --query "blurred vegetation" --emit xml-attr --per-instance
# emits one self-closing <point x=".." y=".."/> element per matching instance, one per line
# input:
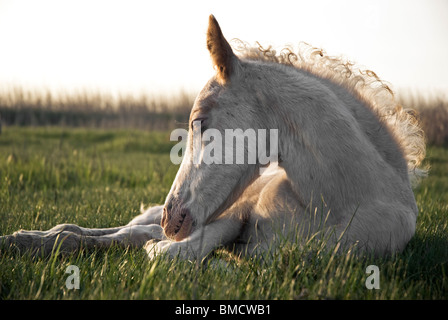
<point x="19" y="107"/>
<point x="433" y="114"/>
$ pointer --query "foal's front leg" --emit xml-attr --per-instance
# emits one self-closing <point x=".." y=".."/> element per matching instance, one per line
<point x="68" y="241"/>
<point x="70" y="237"/>
<point x="200" y="243"/>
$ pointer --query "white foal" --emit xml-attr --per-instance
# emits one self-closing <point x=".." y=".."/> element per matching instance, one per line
<point x="346" y="152"/>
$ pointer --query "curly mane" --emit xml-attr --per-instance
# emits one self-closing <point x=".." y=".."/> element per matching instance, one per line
<point x="403" y="123"/>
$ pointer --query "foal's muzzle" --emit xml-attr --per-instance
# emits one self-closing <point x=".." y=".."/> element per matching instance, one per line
<point x="176" y="221"/>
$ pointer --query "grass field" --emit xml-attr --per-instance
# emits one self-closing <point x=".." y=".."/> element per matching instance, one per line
<point x="98" y="178"/>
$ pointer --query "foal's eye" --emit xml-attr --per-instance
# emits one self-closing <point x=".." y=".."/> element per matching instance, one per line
<point x="202" y="121"/>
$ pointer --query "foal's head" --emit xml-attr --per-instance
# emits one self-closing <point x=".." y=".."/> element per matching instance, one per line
<point x="202" y="191"/>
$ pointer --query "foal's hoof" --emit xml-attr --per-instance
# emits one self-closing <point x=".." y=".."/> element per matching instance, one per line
<point x="151" y="247"/>
<point x="17" y="242"/>
<point x="151" y="242"/>
<point x="5" y="242"/>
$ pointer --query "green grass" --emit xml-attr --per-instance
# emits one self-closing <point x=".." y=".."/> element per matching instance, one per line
<point x="98" y="178"/>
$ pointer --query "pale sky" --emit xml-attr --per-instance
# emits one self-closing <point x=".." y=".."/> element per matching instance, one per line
<point x="134" y="46"/>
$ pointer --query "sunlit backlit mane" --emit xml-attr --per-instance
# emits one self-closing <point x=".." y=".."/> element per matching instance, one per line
<point x="364" y="84"/>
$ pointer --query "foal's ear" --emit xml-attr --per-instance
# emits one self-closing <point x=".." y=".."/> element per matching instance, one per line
<point x="220" y="51"/>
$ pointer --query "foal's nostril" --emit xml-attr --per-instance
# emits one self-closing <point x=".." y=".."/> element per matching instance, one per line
<point x="167" y="211"/>
<point x="163" y="221"/>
